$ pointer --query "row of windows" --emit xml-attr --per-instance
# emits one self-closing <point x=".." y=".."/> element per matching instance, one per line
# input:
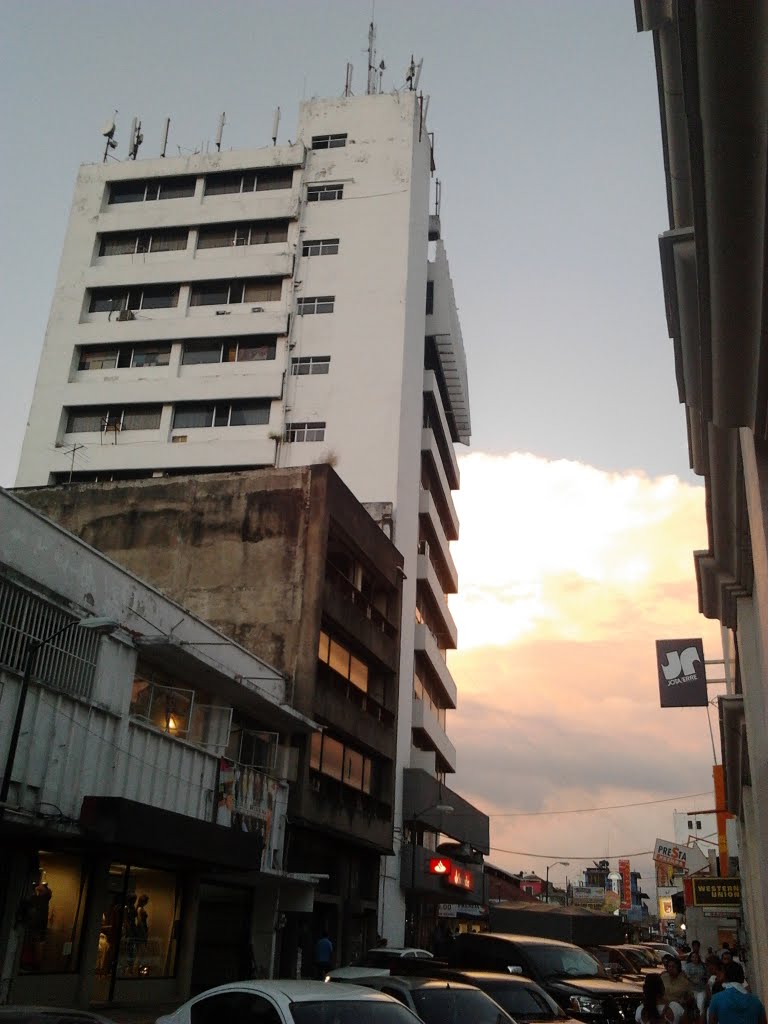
<point x="186" y="416"/>
<point x="214" y="236"/>
<point x="202" y="293"/>
<point x="224" y="183"/>
<point x="248" y="349"/>
<point x="335" y="759"/>
<point x="342" y="661"/>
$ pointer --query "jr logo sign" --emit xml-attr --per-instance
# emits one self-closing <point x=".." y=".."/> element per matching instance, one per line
<point x="682" y="679"/>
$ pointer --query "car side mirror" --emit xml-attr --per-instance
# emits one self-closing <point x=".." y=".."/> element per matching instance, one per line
<point x="514" y="970"/>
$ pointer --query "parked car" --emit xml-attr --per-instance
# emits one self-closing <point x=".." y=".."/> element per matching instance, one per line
<point x="290" y="1002"/>
<point x="615" y="962"/>
<point x="573" y="977"/>
<point x="49" y="1015"/>
<point x="438" y="1001"/>
<point x="378" y="961"/>
<point x="662" y="948"/>
<point x="521" y="997"/>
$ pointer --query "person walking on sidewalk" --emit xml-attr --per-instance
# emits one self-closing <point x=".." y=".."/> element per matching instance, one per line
<point x="735" y="1004"/>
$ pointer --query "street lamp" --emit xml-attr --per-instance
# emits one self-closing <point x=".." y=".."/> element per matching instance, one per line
<point x="101" y="625"/>
<point x="565" y="863"/>
<point x="416" y="917"/>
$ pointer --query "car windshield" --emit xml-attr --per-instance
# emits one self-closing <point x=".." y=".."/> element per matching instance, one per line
<point x="524" y="1003"/>
<point x="350" y="1011"/>
<point x="565" y="961"/>
<point x="642" y="956"/>
<point x="457" y="1006"/>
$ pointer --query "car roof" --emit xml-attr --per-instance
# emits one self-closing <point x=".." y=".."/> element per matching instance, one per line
<point x="513" y="979"/>
<point x="528" y="940"/>
<point x="297" y="991"/>
<point x="414" y="982"/>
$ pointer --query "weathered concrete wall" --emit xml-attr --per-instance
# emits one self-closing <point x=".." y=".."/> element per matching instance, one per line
<point x="240" y="550"/>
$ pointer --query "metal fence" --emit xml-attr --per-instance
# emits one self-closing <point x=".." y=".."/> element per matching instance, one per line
<point x="67" y="663"/>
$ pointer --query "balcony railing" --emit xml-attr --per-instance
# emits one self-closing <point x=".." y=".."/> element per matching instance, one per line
<point x="338" y="684"/>
<point x="353" y="801"/>
<point x="345" y="586"/>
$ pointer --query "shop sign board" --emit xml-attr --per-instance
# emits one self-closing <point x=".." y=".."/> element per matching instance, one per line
<point x="584" y="895"/>
<point x="626" y="884"/>
<point x="463" y="909"/>
<point x="454" y="875"/>
<point x="668" y="852"/>
<point x="716" y="892"/>
<point x="682" y="676"/>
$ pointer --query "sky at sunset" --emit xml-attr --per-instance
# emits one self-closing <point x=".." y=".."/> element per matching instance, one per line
<point x="579" y="511"/>
<point x="568" y="575"/>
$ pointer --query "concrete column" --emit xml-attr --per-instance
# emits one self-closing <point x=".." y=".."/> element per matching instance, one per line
<point x="98" y="880"/>
<point x="15" y="870"/>
<point x="186" y="955"/>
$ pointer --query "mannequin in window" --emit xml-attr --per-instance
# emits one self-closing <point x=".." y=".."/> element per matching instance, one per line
<point x="130" y="932"/>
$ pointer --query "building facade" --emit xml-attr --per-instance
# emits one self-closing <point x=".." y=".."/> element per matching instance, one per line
<point x="713" y="91"/>
<point x="273" y="308"/>
<point x="142" y="841"/>
<point x="289" y="563"/>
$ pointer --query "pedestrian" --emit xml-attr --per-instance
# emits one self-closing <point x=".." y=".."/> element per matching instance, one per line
<point x="655" y="1007"/>
<point x="695" y="948"/>
<point x="716" y="977"/>
<point x="735" y="1004"/>
<point x="696" y="973"/>
<point x="676" y="985"/>
<point x="323" y="956"/>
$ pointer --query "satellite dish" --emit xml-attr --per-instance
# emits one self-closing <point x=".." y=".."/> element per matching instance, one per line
<point x="108" y="128"/>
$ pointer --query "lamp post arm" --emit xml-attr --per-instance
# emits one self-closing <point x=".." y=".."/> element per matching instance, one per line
<point x="29" y="660"/>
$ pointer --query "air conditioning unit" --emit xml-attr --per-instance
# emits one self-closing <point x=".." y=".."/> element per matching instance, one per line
<point x="126" y="314"/>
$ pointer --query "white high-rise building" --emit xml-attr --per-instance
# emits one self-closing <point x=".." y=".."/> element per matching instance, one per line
<point x="277" y="307"/>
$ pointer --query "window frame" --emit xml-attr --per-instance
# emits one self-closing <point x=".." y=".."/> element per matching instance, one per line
<point x="305" y="429"/>
<point x="337" y="140"/>
<point x="315" y="305"/>
<point x="315" y="366"/>
<point x="325" y="192"/>
<point x="234" y="286"/>
<point x="240" y="343"/>
<point x="112" y="417"/>
<point x="321" y="247"/>
<point x="150" y="185"/>
<point x="217" y="410"/>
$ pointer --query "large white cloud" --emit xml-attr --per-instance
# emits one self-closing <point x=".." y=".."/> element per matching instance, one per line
<point x="568" y="575"/>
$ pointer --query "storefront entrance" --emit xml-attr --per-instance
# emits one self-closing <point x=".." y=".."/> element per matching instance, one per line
<point x="223" y="940"/>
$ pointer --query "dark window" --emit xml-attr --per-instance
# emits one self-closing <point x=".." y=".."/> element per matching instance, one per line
<point x="110" y="356"/>
<point x="263" y="180"/>
<point x="249" y="412"/>
<point x="305" y="365"/>
<point x="320" y="247"/>
<point x="350" y="1011"/>
<point x="219" y="293"/>
<point x="155" y="188"/>
<point x="235" y="350"/>
<point x="234" y="1008"/>
<point x="698" y="824"/>
<point x="271" y="178"/>
<point x="430" y="297"/>
<point x="260" y="232"/>
<point x="157" y="296"/>
<point x="93" y="419"/>
<point x="329" y="141"/>
<point x="324" y="193"/>
<point x="305" y="431"/>
<point x="315" y="304"/>
<point x="123" y="243"/>
<point x="690" y="825"/>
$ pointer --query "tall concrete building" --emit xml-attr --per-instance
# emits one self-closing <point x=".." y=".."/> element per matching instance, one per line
<point x="277" y="307"/>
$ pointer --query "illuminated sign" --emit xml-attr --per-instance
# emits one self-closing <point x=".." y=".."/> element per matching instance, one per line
<point x="460" y="879"/>
<point x="626" y="884"/>
<point x="440" y="866"/>
<point x="716" y="892"/>
<point x="670" y="853"/>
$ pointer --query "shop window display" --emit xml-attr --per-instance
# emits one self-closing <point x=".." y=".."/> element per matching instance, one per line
<point x="52" y="911"/>
<point x="139" y="925"/>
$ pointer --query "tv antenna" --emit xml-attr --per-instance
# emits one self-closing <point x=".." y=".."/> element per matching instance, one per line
<point x="135" y="139"/>
<point x="275" y="125"/>
<point x="220" y="130"/>
<point x="166" y="129"/>
<point x="108" y="131"/>
<point x="370" y="88"/>
<point x="348" y="81"/>
<point x="413" y="74"/>
<point x="71" y="450"/>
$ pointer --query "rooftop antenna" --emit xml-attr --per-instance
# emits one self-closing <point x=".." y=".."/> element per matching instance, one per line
<point x="165" y="136"/>
<point x="108" y="131"/>
<point x="371" y="84"/>
<point x="275" y="125"/>
<point x="382" y="69"/>
<point x="135" y="138"/>
<point x="414" y="74"/>
<point x="348" y="81"/>
<point x="220" y="130"/>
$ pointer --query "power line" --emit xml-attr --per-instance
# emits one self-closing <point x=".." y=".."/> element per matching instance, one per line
<point x="607" y="807"/>
<point x="566" y="856"/>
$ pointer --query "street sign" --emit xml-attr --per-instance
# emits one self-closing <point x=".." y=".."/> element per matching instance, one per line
<point x="668" y="852"/>
<point x="682" y="676"/>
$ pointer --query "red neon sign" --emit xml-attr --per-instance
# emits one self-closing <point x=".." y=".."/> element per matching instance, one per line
<point x="440" y="866"/>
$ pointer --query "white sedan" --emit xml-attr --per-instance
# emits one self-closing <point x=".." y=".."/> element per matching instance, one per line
<point x="378" y="961"/>
<point x="290" y="1002"/>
